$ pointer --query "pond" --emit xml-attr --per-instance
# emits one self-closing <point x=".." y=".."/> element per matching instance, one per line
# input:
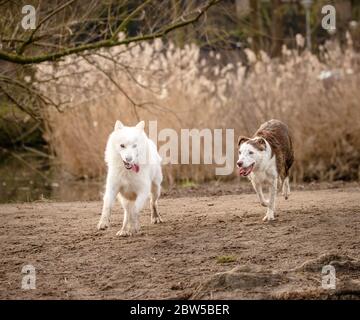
<point x="25" y="177"/>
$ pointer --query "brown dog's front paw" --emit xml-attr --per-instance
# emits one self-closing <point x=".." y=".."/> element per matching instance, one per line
<point x="264" y="203"/>
<point x="156" y="219"/>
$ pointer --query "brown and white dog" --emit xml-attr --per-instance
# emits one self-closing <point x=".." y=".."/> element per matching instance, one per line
<point x="266" y="158"/>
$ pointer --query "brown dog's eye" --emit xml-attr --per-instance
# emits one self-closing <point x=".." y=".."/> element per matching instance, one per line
<point x="122" y="146"/>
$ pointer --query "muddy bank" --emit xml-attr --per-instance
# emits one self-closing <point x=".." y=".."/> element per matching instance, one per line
<point x="201" y="236"/>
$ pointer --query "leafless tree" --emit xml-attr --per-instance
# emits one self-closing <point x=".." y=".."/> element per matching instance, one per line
<point x="75" y="27"/>
<point x="69" y="27"/>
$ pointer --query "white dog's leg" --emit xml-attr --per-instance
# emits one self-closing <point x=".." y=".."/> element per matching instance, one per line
<point x="128" y="227"/>
<point x="155" y="194"/>
<point x="271" y="208"/>
<point x="131" y="224"/>
<point x="140" y="201"/>
<point x="112" y="189"/>
<point x="286" y="188"/>
<point x="259" y="192"/>
<point x="139" y="205"/>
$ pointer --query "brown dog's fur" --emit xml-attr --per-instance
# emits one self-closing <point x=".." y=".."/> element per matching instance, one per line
<point x="276" y="133"/>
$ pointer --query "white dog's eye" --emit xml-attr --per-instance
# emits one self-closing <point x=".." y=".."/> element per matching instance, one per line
<point x="134" y="145"/>
<point x="122" y="146"/>
<point x="250" y="152"/>
<point x="239" y="152"/>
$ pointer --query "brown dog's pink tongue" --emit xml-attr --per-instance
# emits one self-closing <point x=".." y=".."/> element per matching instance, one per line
<point x="135" y="168"/>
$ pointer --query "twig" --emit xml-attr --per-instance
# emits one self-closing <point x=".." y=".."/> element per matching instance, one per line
<point x="51" y="14"/>
<point x="107" y="43"/>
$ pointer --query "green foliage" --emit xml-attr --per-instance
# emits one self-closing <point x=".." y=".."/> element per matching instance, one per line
<point x="188" y="183"/>
<point x="225" y="259"/>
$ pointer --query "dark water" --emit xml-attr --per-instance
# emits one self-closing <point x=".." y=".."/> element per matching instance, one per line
<point x="25" y="177"/>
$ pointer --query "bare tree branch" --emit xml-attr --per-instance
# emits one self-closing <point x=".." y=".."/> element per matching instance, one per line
<point x="111" y="42"/>
<point x="51" y="14"/>
<point x="129" y="17"/>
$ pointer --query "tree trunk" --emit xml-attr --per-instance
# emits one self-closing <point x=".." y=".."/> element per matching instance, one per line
<point x="277" y="32"/>
<point x="255" y="23"/>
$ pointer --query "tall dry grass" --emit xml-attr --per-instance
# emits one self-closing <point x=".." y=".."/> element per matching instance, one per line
<point x="318" y="96"/>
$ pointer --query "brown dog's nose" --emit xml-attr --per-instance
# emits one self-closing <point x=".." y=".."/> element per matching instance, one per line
<point x="239" y="164"/>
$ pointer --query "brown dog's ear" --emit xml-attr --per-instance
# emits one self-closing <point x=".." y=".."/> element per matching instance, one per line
<point x="242" y="139"/>
<point x="260" y="144"/>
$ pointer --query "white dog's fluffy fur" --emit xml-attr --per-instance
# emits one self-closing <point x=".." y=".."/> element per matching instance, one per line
<point x="134" y="174"/>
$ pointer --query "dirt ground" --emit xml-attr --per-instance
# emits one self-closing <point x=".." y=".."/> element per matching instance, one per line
<point x="202" y="238"/>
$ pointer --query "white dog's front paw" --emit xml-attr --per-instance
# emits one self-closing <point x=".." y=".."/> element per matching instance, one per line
<point x="123" y="233"/>
<point x="127" y="232"/>
<point x="269" y="216"/>
<point x="156" y="219"/>
<point x="103" y="224"/>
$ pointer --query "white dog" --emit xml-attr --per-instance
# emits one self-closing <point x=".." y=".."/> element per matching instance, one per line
<point x="266" y="159"/>
<point x="134" y="173"/>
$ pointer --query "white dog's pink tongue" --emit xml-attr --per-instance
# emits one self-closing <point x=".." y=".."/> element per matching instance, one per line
<point x="135" y="168"/>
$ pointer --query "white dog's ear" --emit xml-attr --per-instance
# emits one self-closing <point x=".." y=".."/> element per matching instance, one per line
<point x="118" y="125"/>
<point x="141" y="125"/>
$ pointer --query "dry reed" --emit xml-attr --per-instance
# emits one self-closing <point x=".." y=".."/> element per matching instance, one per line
<point x="318" y="96"/>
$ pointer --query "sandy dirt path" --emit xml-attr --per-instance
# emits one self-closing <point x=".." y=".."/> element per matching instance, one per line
<point x="75" y="261"/>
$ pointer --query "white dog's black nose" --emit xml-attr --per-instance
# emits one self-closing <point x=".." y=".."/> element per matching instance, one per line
<point x="239" y="164"/>
<point x="128" y="159"/>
